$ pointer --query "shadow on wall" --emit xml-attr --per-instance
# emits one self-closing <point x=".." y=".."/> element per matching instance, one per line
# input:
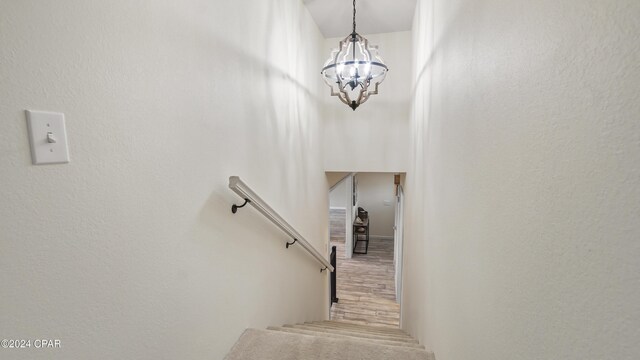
<point x="283" y="110"/>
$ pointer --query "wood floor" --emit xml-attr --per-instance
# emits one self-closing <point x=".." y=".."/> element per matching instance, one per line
<point x="366" y="286"/>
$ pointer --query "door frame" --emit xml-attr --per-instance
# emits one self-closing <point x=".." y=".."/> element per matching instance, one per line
<point x="398" y="236"/>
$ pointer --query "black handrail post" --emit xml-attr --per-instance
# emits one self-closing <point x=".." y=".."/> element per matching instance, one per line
<point x="334" y="262"/>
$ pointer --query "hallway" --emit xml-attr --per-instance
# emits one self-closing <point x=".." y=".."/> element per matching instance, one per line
<point x="514" y="128"/>
<point x="365" y="285"/>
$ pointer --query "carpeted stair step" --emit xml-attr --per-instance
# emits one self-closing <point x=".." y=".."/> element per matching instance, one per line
<point x="362" y="328"/>
<point x="320" y="329"/>
<point x="377" y="330"/>
<point x="398" y="337"/>
<point x="335" y="323"/>
<point x="358" y="333"/>
<point x="257" y="344"/>
<point x="340" y="336"/>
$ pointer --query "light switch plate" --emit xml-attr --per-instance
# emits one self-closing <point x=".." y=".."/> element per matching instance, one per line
<point x="48" y="137"/>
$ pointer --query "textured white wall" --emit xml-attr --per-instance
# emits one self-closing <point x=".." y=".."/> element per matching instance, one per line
<point x="373" y="190"/>
<point x="130" y="251"/>
<point x="339" y="196"/>
<point x="334" y="177"/>
<point x="373" y="138"/>
<point x="523" y="197"/>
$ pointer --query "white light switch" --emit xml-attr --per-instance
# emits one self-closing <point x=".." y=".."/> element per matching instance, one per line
<point x="48" y="137"/>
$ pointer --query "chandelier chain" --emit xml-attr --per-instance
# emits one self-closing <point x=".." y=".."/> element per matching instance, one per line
<point x="354" y="16"/>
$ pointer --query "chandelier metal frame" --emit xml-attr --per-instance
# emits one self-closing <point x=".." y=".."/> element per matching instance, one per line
<point x="364" y="67"/>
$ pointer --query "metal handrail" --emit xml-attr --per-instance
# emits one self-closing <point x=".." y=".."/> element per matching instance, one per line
<point x="334" y="276"/>
<point x="250" y="197"/>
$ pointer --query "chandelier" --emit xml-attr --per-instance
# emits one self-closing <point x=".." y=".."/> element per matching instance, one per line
<point x="354" y="70"/>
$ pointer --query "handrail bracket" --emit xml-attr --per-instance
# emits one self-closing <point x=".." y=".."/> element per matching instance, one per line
<point x="234" y="207"/>
<point x="291" y="243"/>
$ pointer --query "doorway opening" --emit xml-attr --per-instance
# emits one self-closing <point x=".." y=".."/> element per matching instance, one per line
<point x="365" y="225"/>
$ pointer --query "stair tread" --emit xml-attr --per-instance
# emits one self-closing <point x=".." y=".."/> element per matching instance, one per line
<point x="257" y="344"/>
<point x="356" y="327"/>
<point x="402" y="338"/>
<point x="398" y="335"/>
<point x="390" y="342"/>
<point x="376" y="327"/>
<point x="364" y="331"/>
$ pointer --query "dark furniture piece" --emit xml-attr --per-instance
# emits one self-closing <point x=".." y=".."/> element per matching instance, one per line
<point x="361" y="233"/>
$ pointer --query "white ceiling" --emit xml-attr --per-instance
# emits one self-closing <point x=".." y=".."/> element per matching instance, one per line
<point x="334" y="17"/>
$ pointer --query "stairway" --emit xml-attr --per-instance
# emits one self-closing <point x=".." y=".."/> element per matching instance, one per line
<point x="327" y="340"/>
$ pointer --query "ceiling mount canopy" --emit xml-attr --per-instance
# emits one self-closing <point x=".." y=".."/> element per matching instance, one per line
<point x="355" y="69"/>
